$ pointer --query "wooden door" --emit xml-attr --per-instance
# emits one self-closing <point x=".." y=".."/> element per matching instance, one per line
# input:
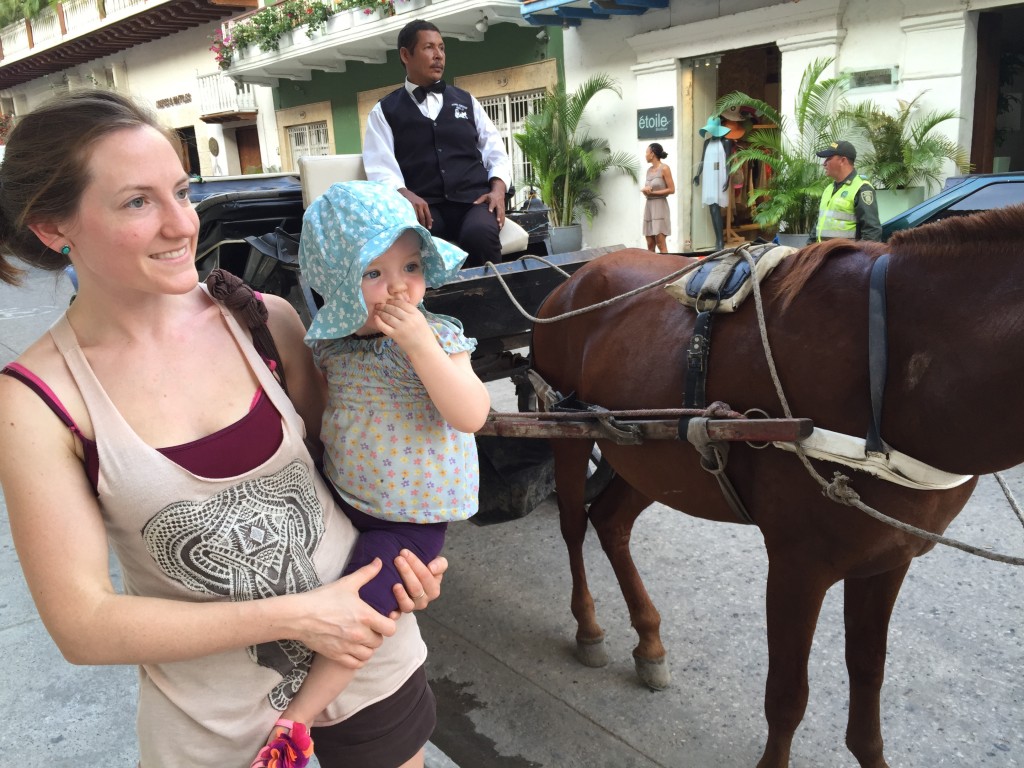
<point x="248" y="142"/>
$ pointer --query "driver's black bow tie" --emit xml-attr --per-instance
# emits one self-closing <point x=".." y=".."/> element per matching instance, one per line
<point x="420" y="92"/>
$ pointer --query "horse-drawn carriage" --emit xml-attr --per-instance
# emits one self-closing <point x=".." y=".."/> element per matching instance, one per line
<point x="868" y="347"/>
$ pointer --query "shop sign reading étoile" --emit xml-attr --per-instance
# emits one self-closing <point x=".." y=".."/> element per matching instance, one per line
<point x="655" y="123"/>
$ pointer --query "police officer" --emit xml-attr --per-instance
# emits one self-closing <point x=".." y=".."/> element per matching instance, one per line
<point x="848" y="207"/>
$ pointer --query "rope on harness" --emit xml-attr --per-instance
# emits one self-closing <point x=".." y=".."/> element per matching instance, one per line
<point x="583" y="310"/>
<point x="840" y="490"/>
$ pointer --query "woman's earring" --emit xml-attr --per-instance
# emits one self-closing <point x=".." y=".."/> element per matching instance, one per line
<point x="65" y="250"/>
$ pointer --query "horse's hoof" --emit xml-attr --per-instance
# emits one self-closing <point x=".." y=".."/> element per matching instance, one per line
<point x="654" y="673"/>
<point x="592" y="653"/>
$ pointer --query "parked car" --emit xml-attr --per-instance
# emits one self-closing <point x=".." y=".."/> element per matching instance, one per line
<point x="961" y="196"/>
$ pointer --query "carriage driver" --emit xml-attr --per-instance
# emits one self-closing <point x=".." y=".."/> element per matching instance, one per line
<point x="848" y="206"/>
<point x="434" y="143"/>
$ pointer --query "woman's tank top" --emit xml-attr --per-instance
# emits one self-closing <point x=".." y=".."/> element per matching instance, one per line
<point x="270" y="531"/>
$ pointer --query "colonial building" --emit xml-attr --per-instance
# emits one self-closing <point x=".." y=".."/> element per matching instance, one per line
<point x="675" y="61"/>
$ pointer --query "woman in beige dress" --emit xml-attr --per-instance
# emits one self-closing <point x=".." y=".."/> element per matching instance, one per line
<point x="659" y="185"/>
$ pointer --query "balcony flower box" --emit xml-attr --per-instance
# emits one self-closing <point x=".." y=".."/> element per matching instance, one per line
<point x="407" y="6"/>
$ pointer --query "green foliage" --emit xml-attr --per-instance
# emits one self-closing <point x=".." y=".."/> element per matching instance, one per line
<point x="901" y="152"/>
<point x="268" y="25"/>
<point x="789" y="200"/>
<point x="566" y="162"/>
<point x="12" y="11"/>
<point x="265" y="27"/>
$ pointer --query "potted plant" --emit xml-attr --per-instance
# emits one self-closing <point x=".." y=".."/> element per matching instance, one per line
<point x="789" y="198"/>
<point x="904" y="159"/>
<point x="566" y="162"/>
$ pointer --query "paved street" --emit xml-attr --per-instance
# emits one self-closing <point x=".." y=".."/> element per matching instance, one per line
<point x="501" y="639"/>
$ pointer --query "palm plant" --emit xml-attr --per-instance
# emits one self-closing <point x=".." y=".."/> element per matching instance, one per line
<point x="566" y="162"/>
<point x="12" y="11"/>
<point x="902" y="153"/>
<point x="790" y="196"/>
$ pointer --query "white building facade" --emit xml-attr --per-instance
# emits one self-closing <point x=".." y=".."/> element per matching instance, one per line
<point x="680" y="59"/>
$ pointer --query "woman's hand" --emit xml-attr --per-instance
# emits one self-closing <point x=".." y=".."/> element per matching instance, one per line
<point x="421" y="583"/>
<point x="340" y="625"/>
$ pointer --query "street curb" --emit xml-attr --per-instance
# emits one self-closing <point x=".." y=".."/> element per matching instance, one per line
<point x="435" y="758"/>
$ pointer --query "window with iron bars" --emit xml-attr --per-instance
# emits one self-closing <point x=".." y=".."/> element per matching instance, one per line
<point x="309" y="139"/>
<point x="508" y="113"/>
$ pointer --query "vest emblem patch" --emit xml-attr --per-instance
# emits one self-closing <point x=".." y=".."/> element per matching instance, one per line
<point x="461" y="113"/>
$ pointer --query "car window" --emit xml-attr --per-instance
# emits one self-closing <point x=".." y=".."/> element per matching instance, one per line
<point x="995" y="195"/>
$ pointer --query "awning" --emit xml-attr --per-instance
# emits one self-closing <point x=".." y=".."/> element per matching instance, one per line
<point x="569" y="13"/>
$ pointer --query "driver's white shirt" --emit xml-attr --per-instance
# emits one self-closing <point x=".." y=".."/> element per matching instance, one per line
<point x="379" y="143"/>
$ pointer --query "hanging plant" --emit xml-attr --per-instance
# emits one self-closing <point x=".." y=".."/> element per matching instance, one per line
<point x="316" y="15"/>
<point x="223" y="49"/>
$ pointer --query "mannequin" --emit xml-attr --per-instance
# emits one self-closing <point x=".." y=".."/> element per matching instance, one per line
<point x="715" y="186"/>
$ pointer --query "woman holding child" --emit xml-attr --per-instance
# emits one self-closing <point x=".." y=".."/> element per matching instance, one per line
<point x="146" y="419"/>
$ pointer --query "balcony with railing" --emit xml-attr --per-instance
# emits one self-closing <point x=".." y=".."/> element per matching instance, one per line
<point x="222" y="100"/>
<point x="78" y="31"/>
<point x="361" y="34"/>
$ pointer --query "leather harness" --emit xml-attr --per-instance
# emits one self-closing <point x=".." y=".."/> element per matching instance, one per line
<point x="714" y="455"/>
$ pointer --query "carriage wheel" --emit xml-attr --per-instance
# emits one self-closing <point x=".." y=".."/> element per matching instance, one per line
<point x="599" y="474"/>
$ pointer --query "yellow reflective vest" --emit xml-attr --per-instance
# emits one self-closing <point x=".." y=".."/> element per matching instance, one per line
<point x="836" y="215"/>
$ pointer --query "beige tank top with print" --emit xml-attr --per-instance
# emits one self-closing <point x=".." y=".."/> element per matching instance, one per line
<point x="179" y="536"/>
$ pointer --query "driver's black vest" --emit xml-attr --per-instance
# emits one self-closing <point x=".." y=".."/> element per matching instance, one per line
<point x="438" y="158"/>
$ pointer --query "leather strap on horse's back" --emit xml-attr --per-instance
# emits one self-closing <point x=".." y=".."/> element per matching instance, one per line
<point x="878" y="352"/>
<point x="697" y="353"/>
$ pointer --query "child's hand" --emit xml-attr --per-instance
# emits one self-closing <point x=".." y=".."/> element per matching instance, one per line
<point x="403" y="322"/>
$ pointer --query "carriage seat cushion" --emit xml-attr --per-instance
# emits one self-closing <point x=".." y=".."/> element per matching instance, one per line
<point x="723" y="281"/>
<point x="317" y="173"/>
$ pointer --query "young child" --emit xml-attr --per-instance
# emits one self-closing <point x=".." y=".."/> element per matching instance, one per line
<point x="403" y="402"/>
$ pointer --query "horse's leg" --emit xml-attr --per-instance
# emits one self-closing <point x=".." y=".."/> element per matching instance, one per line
<point x="793" y="603"/>
<point x="613" y="514"/>
<point x="571" y="459"/>
<point x="868" y="605"/>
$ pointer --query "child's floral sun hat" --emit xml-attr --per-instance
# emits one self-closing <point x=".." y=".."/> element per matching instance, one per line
<point x="346" y="228"/>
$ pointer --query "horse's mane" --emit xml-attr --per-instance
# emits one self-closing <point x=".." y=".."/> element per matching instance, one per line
<point x="1000" y="227"/>
<point x="805" y="263"/>
<point x="949" y="237"/>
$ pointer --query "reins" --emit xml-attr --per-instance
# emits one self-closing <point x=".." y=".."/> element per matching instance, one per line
<point x="839" y="490"/>
<point x="583" y="310"/>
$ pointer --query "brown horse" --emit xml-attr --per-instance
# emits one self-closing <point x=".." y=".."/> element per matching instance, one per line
<point x="955" y="340"/>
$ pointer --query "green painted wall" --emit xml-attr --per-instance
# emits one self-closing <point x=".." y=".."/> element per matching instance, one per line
<point x="504" y="45"/>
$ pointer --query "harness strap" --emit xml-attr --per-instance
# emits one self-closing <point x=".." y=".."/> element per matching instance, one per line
<point x="878" y="353"/>
<point x="694" y="395"/>
<point x="713" y="457"/>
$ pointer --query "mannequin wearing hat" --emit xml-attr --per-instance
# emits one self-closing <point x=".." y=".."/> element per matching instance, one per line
<point x="848" y="207"/>
<point x="713" y="174"/>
